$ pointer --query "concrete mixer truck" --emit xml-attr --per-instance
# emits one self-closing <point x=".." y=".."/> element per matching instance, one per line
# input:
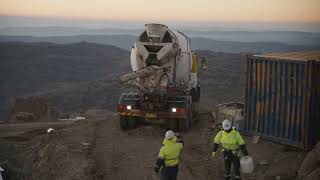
<point x="165" y="71"/>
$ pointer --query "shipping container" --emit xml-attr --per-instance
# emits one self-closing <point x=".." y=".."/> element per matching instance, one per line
<point x="283" y="96"/>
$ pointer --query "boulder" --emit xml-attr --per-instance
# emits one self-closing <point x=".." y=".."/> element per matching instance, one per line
<point x="313" y="175"/>
<point x="24" y="117"/>
<point x="310" y="167"/>
<point x="32" y="109"/>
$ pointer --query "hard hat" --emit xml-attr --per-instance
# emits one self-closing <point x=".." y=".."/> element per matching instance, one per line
<point x="169" y="135"/>
<point x="226" y="124"/>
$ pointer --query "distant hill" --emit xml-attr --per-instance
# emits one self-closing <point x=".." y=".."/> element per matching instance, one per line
<point x="52" y="70"/>
<point x="214" y="33"/>
<point x="80" y="76"/>
<point x="46" y="63"/>
<point x="246" y="47"/>
<point x="64" y="31"/>
<point x="224" y="80"/>
<point x="126" y="42"/>
<point x="285" y="37"/>
<point x="121" y="41"/>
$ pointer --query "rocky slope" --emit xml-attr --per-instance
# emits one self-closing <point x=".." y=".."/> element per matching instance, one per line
<point x="98" y="149"/>
<point x="76" y="77"/>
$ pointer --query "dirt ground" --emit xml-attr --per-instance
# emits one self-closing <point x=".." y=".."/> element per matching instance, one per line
<point x="131" y="154"/>
<point x="98" y="149"/>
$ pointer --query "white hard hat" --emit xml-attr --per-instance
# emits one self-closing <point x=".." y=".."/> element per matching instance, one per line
<point x="226" y="124"/>
<point x="169" y="135"/>
<point x="49" y="130"/>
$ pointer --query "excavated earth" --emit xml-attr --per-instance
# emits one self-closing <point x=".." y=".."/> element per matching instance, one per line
<point x="96" y="148"/>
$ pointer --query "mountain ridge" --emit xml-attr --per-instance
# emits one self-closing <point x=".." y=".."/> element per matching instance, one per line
<point x="198" y="43"/>
<point x="80" y="76"/>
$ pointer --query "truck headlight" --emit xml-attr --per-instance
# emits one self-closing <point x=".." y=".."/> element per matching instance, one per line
<point x="174" y="109"/>
<point x="129" y="107"/>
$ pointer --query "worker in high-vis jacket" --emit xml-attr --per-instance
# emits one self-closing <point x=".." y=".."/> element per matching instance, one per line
<point x="231" y="142"/>
<point x="168" y="158"/>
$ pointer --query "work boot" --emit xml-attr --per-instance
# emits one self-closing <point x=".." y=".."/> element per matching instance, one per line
<point x="227" y="177"/>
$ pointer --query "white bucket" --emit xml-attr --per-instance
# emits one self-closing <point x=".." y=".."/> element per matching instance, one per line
<point x="246" y="164"/>
<point x="1" y="170"/>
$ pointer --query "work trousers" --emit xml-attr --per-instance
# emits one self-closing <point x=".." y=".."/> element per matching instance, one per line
<point x="169" y="173"/>
<point x="230" y="158"/>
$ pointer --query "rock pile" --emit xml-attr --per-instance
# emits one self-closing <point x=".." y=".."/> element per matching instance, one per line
<point x="310" y="168"/>
<point x="32" y="109"/>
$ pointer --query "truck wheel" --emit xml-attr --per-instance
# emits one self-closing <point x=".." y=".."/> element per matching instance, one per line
<point x="190" y="116"/>
<point x="183" y="124"/>
<point x="195" y="109"/>
<point x="123" y="122"/>
<point x="128" y="122"/>
<point x="132" y="122"/>
<point x="198" y="94"/>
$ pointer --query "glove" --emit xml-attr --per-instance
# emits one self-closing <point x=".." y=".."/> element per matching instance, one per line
<point x="244" y="150"/>
<point x="156" y="170"/>
<point x="214" y="155"/>
<point x="177" y="135"/>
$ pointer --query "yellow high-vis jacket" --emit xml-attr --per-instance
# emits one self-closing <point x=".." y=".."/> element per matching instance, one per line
<point x="229" y="141"/>
<point x="170" y="152"/>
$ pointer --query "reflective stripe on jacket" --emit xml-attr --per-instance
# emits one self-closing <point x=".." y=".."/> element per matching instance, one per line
<point x="170" y="152"/>
<point x="229" y="140"/>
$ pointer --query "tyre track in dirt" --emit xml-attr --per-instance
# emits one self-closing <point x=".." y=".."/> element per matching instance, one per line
<point x="98" y="149"/>
<point x="131" y="154"/>
<point x="125" y="154"/>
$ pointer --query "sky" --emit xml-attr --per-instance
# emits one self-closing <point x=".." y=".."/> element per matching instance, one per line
<point x="292" y="11"/>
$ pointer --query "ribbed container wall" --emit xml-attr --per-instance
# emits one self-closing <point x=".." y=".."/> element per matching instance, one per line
<point x="282" y="100"/>
<point x="315" y="104"/>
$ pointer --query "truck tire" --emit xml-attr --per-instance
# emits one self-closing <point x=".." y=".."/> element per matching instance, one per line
<point x="183" y="124"/>
<point x="132" y="122"/>
<point x="124" y="122"/>
<point x="127" y="122"/>
<point x="198" y="94"/>
<point x="186" y="123"/>
<point x="195" y="109"/>
<point x="190" y="115"/>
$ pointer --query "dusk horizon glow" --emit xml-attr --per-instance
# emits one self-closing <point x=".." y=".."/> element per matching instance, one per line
<point x="291" y="11"/>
